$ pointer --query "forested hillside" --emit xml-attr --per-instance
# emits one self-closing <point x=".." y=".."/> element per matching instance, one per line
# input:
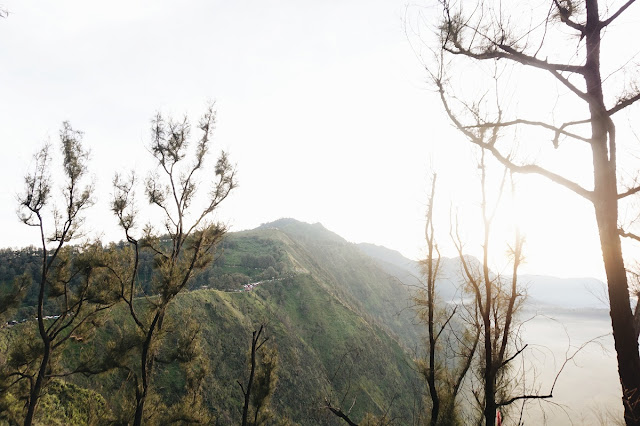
<point x="342" y="329"/>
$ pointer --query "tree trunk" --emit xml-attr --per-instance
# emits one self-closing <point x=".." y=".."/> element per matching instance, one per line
<point x="605" y="201"/>
<point x="431" y="378"/>
<point x="35" y="392"/>
<point x="489" y="383"/>
<point x="431" y="294"/>
<point x="146" y="358"/>
<point x="431" y="282"/>
<point x="139" y="410"/>
<point x="247" y="393"/>
<point x="620" y="310"/>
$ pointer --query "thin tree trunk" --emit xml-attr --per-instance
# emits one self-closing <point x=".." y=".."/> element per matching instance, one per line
<point x="139" y="410"/>
<point x="34" y="394"/>
<point x="431" y="282"/>
<point x="431" y="378"/>
<point x="489" y="373"/>
<point x="147" y="358"/>
<point x="247" y="393"/>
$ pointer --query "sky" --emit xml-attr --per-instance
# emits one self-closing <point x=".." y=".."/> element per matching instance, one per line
<point x="325" y="108"/>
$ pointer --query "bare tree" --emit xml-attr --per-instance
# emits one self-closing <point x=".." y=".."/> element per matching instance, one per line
<point x="262" y="380"/>
<point x="186" y="248"/>
<point x="496" y="301"/>
<point x="486" y="32"/>
<point x="456" y="347"/>
<point x="336" y="406"/>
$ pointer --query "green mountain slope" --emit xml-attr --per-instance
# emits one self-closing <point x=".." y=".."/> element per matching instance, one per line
<point x="325" y="349"/>
<point x="408" y="271"/>
<point x="340" y="324"/>
<point x="354" y="277"/>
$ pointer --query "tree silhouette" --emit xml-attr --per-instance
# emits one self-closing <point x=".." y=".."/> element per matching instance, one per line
<point x="450" y="350"/>
<point x="486" y="32"/>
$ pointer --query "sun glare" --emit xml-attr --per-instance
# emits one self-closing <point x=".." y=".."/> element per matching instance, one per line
<point x="560" y="231"/>
<point x="558" y="226"/>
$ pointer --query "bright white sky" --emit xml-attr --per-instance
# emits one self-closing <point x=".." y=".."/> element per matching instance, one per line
<point x="322" y="105"/>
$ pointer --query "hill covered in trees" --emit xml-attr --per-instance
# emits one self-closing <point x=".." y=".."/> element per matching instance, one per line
<point x="341" y="326"/>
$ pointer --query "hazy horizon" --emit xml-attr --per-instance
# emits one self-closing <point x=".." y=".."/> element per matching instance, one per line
<point x="325" y="109"/>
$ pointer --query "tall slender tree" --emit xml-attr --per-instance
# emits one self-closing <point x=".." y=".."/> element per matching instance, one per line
<point x="70" y="291"/>
<point x="449" y="350"/>
<point x="488" y="31"/>
<point x="257" y="391"/>
<point x="188" y="243"/>
<point x="496" y="302"/>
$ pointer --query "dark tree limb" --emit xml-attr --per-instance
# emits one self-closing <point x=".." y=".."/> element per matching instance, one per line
<point x="511" y="358"/>
<point x="255" y="346"/>
<point x="564" y="17"/>
<point x="623" y="103"/>
<point x="616" y="14"/>
<point x="339" y="413"/>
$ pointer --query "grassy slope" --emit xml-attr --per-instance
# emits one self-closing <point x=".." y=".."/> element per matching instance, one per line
<point x="324" y="348"/>
<point x="332" y="319"/>
<point x="354" y="277"/>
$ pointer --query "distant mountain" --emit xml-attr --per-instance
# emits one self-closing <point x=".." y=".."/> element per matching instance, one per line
<point x="392" y="257"/>
<point x="303" y="230"/>
<point x="355" y="278"/>
<point x="570" y="293"/>
<point x="542" y="290"/>
<point x="409" y="272"/>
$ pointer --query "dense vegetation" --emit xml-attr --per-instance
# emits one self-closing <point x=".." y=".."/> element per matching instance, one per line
<point x="330" y="313"/>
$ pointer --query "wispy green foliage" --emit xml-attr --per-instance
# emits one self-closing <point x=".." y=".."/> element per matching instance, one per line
<point x="70" y="292"/>
<point x="178" y="257"/>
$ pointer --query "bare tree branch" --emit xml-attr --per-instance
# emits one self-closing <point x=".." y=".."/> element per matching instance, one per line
<point x="557" y="130"/>
<point x="526" y="168"/>
<point x="623" y="103"/>
<point x="512" y="357"/>
<point x="629" y="235"/>
<point x="339" y="413"/>
<point x="617" y="13"/>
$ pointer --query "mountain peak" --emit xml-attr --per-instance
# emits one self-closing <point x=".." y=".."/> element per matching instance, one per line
<point x="304" y="229"/>
<point x="281" y="223"/>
